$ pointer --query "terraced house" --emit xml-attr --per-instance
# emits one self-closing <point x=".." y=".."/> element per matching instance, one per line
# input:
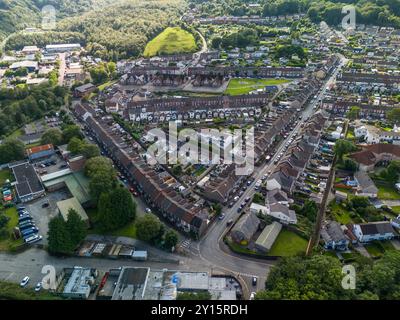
<point x="158" y="189"/>
<point x="196" y="109"/>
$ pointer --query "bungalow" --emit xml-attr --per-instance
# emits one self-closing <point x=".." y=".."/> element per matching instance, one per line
<point x="366" y="232"/>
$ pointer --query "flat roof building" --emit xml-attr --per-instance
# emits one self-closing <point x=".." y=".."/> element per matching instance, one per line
<point x="28" y="184"/>
<point x="39" y="152"/>
<point x="79" y="284"/>
<point x="72" y="203"/>
<point x="131" y="284"/>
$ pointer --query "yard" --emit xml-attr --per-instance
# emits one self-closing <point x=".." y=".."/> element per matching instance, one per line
<point x="287" y="244"/>
<point x="243" y="86"/>
<point x="386" y="191"/>
<point x="339" y="213"/>
<point x="171" y="41"/>
<point x="5" y="174"/>
<point x="8" y="243"/>
<point x="377" y="249"/>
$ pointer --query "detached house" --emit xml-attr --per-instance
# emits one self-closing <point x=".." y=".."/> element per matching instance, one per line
<point x="366" y="232"/>
<point x="334" y="237"/>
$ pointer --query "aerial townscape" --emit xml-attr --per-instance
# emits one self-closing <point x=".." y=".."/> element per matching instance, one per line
<point x="97" y="204"/>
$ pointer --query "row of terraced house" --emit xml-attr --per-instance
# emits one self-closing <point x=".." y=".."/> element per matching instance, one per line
<point x="157" y="191"/>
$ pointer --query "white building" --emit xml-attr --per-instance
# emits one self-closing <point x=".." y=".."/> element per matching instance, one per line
<point x="366" y="232"/>
<point x="277" y="211"/>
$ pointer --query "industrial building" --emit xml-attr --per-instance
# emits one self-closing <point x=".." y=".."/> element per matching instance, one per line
<point x="40" y="152"/>
<point x="28" y="185"/>
<point x="79" y="284"/>
<point x="59" y="48"/>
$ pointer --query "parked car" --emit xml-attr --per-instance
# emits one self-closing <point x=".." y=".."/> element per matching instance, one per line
<point x="254" y="281"/>
<point x="252" y="295"/>
<point x="221" y="217"/>
<point x="24" y="281"/>
<point x="38" y="287"/>
<point x="148" y="210"/>
<point x="45" y="205"/>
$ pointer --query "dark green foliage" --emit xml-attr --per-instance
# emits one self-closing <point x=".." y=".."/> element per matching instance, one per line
<point x="11" y="150"/>
<point x="148" y="228"/>
<point x="116" y="209"/>
<point x="22" y="105"/>
<point x="171" y="239"/>
<point x="52" y="136"/>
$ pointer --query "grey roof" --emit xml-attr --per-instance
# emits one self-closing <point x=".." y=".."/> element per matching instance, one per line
<point x="245" y="228"/>
<point x="365" y="182"/>
<point x="277" y="195"/>
<point x="277" y="207"/>
<point x="131" y="284"/>
<point x="373" y="228"/>
<point x="27" y="180"/>
<point x="332" y="232"/>
<point x="269" y="235"/>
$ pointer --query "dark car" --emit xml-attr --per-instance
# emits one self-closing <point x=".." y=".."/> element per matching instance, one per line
<point x="254" y="281"/>
<point x="45" y="205"/>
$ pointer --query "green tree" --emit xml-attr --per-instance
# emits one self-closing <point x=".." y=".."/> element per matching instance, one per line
<point x="343" y="147"/>
<point x="52" y="136"/>
<point x="71" y="131"/>
<point x="171" y="239"/>
<point x="89" y="150"/>
<point x="75" y="145"/>
<point x="12" y="150"/>
<point x="76" y="227"/>
<point x="148" y="228"/>
<point x="314" y="278"/>
<point x="116" y="209"/>
<point x="393" y="115"/>
<point x="102" y="176"/>
<point x="58" y="237"/>
<point x="353" y="113"/>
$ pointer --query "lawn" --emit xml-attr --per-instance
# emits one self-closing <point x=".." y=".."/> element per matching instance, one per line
<point x="4" y="175"/>
<point x="107" y="84"/>
<point x="374" y="249"/>
<point x="396" y="210"/>
<point x="8" y="243"/>
<point x="171" y="41"/>
<point x="243" y="86"/>
<point x="15" y="134"/>
<point x="287" y="244"/>
<point x="386" y="192"/>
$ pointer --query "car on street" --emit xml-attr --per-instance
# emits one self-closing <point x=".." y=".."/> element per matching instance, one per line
<point x="24" y="281"/>
<point x="252" y="295"/>
<point x="134" y="192"/>
<point x="148" y="210"/>
<point x="45" y="205"/>
<point x="254" y="281"/>
<point x="221" y="217"/>
<point x="229" y="222"/>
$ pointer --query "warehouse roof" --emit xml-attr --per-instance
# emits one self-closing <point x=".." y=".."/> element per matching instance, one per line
<point x="269" y="235"/>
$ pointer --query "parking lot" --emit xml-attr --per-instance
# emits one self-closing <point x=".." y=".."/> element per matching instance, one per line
<point x="41" y="215"/>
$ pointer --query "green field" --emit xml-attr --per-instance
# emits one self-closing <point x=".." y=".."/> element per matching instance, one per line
<point x="243" y="86"/>
<point x="171" y="41"/>
<point x="287" y="244"/>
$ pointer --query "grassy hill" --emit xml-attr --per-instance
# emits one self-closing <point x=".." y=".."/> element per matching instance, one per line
<point x="171" y="41"/>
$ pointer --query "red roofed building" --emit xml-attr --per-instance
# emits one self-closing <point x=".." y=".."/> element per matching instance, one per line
<point x="372" y="154"/>
<point x="39" y="152"/>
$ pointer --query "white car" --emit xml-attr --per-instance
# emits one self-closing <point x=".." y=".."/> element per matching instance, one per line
<point x="24" y="281"/>
<point x="252" y="295"/>
<point x="38" y="287"/>
<point x="148" y="210"/>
